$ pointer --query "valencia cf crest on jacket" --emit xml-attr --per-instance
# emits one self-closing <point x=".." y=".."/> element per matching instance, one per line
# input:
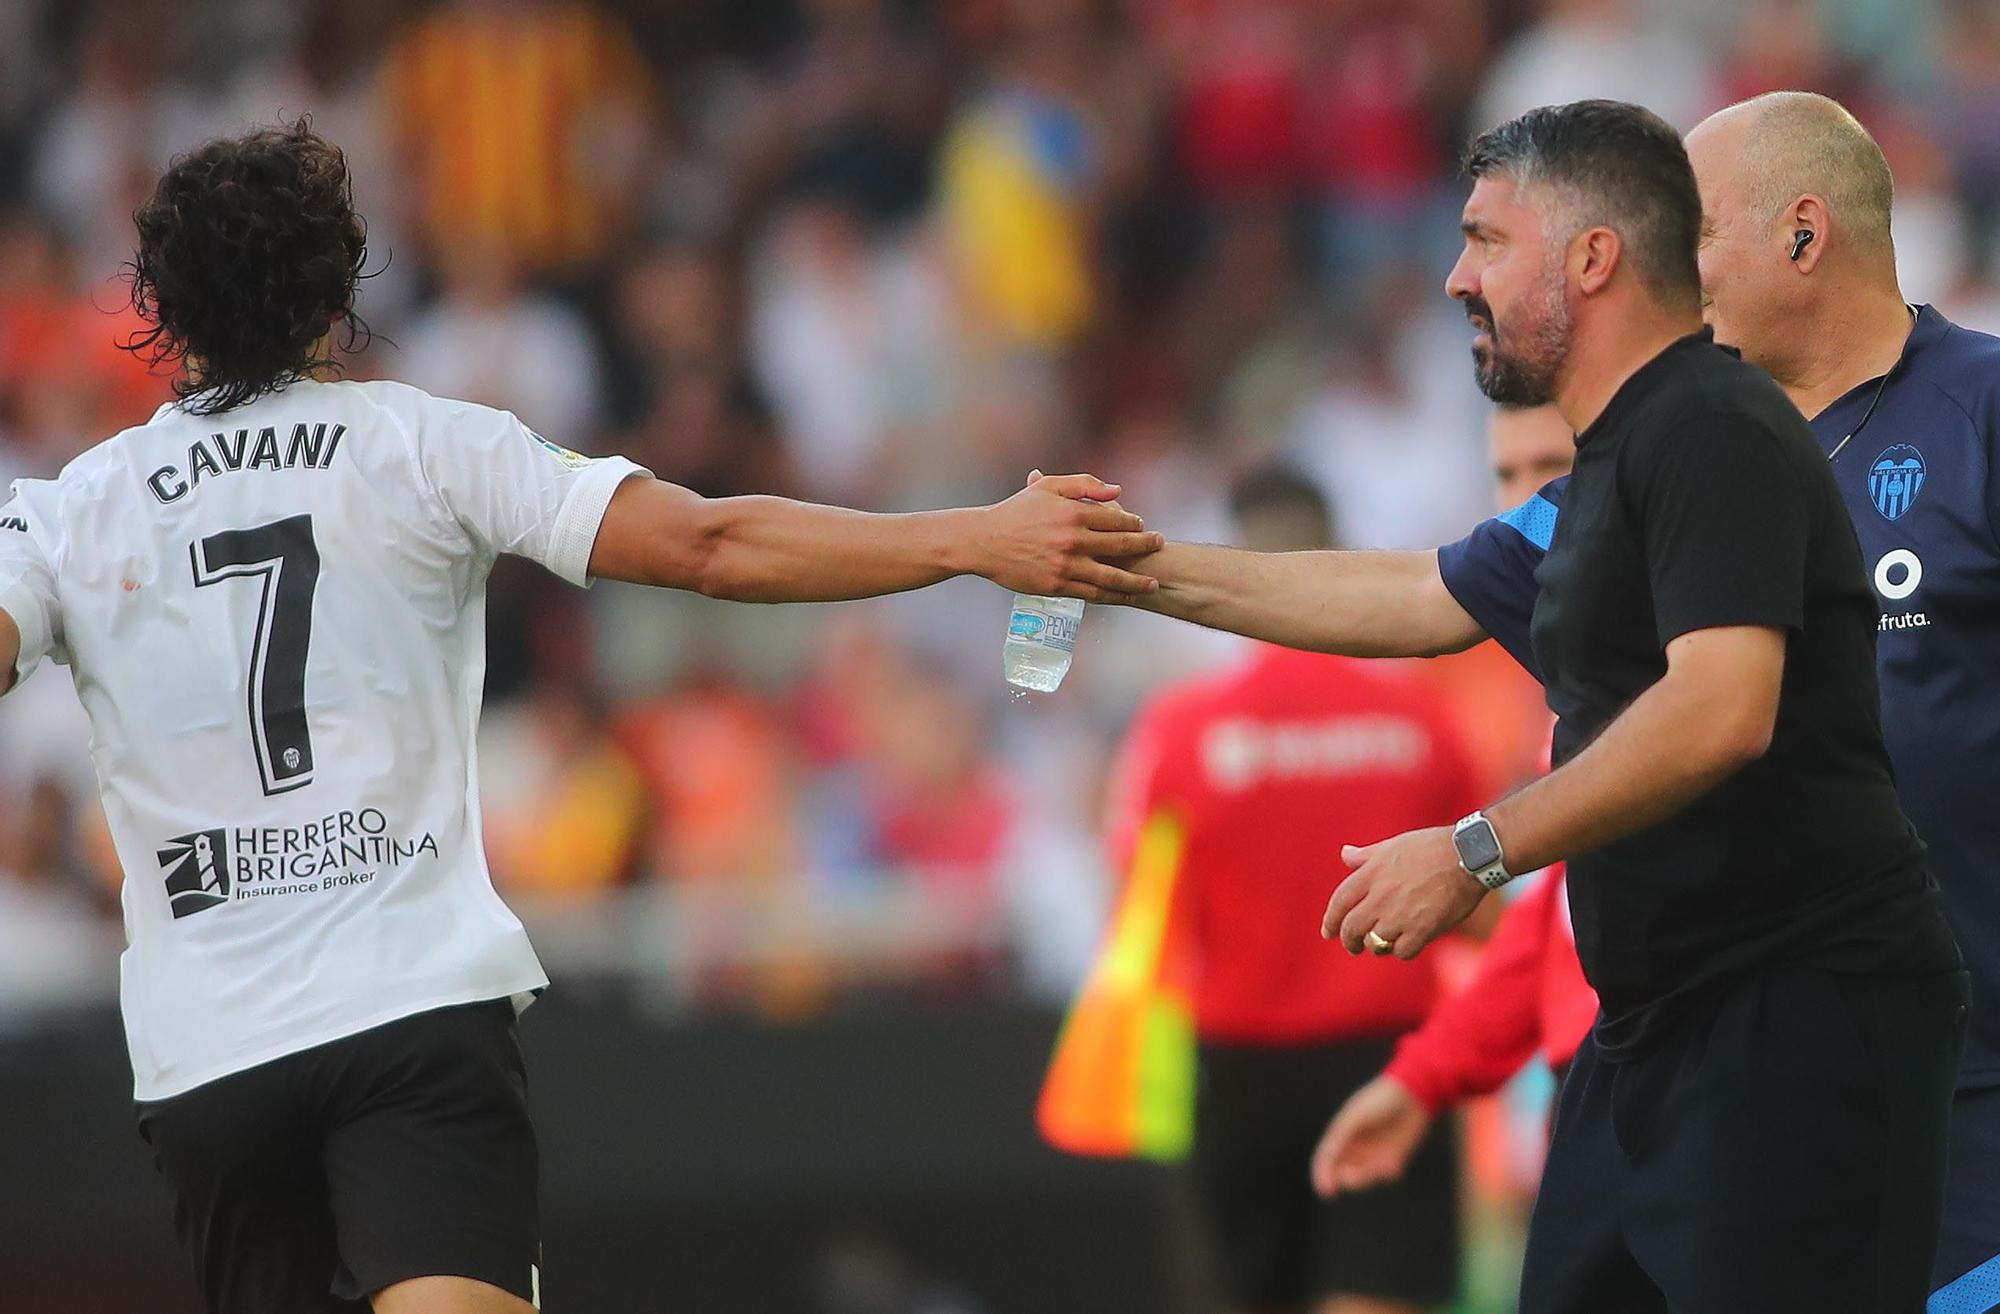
<point x="1895" y="480"/>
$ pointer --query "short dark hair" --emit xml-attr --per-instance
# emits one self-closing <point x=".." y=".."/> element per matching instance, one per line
<point x="1280" y="488"/>
<point x="1617" y="165"/>
<point x="249" y="252"/>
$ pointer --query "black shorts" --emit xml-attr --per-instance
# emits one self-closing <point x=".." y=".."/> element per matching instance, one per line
<point x="1258" y="1114"/>
<point x="1783" y="1152"/>
<point x="308" y="1183"/>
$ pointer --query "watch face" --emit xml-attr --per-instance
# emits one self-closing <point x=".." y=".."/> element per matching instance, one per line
<point x="1478" y="849"/>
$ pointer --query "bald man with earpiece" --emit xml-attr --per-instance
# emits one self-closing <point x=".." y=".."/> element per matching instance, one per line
<point x="1798" y="264"/>
<point x="1798" y="270"/>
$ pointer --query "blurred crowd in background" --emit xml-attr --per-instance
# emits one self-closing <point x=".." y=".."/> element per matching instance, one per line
<point x="892" y="255"/>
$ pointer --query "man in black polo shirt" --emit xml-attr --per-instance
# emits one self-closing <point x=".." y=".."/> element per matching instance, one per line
<point x="1759" y="1124"/>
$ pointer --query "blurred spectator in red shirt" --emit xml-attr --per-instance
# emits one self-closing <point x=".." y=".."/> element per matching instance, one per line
<point x="1262" y="773"/>
<point x="1389" y="79"/>
<point x="1239" y="69"/>
<point x="905" y="785"/>
<point x="1348" y="104"/>
<point x="940" y="808"/>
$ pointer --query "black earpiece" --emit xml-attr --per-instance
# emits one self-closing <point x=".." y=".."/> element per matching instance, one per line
<point x="1801" y="241"/>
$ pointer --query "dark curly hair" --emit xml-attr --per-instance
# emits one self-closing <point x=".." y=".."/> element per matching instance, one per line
<point x="249" y="253"/>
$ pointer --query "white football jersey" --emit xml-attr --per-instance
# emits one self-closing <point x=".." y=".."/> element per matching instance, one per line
<point x="276" y="620"/>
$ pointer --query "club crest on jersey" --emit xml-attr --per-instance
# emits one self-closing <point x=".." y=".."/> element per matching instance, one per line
<point x="572" y="459"/>
<point x="197" y="868"/>
<point x="1895" y="480"/>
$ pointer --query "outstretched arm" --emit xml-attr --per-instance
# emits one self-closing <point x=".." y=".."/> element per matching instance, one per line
<point x="1359" y="604"/>
<point x="1055" y="537"/>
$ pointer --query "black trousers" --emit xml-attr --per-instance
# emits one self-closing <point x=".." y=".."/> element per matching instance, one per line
<point x="1782" y="1150"/>
<point x="1259" y="1111"/>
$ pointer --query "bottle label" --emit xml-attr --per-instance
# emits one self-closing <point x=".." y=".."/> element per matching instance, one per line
<point x="1058" y="632"/>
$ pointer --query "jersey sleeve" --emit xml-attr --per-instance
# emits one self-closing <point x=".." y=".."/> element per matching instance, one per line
<point x="28" y="585"/>
<point x="1724" y="523"/>
<point x="514" y="491"/>
<point x="1491" y="571"/>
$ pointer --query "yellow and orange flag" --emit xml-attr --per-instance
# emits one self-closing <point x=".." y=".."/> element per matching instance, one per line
<point x="1121" y="1082"/>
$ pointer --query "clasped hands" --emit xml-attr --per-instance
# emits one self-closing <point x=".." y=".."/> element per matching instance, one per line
<point x="1065" y="536"/>
<point x="1401" y="893"/>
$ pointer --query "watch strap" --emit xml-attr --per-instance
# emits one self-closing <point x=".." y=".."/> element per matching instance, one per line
<point x="1474" y="849"/>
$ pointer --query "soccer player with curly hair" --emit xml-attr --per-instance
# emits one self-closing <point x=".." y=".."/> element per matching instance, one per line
<point x="272" y="598"/>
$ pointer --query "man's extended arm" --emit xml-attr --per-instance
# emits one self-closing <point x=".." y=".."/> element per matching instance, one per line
<point x="1052" y="538"/>
<point x="1711" y="714"/>
<point x="1358" y="604"/>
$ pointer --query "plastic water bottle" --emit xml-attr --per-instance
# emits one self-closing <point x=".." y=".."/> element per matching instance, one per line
<point x="1041" y="640"/>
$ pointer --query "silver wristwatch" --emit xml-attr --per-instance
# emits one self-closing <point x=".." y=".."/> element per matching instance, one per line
<point x="1479" y="851"/>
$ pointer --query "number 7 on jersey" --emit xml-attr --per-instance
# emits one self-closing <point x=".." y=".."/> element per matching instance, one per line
<point x="284" y="559"/>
